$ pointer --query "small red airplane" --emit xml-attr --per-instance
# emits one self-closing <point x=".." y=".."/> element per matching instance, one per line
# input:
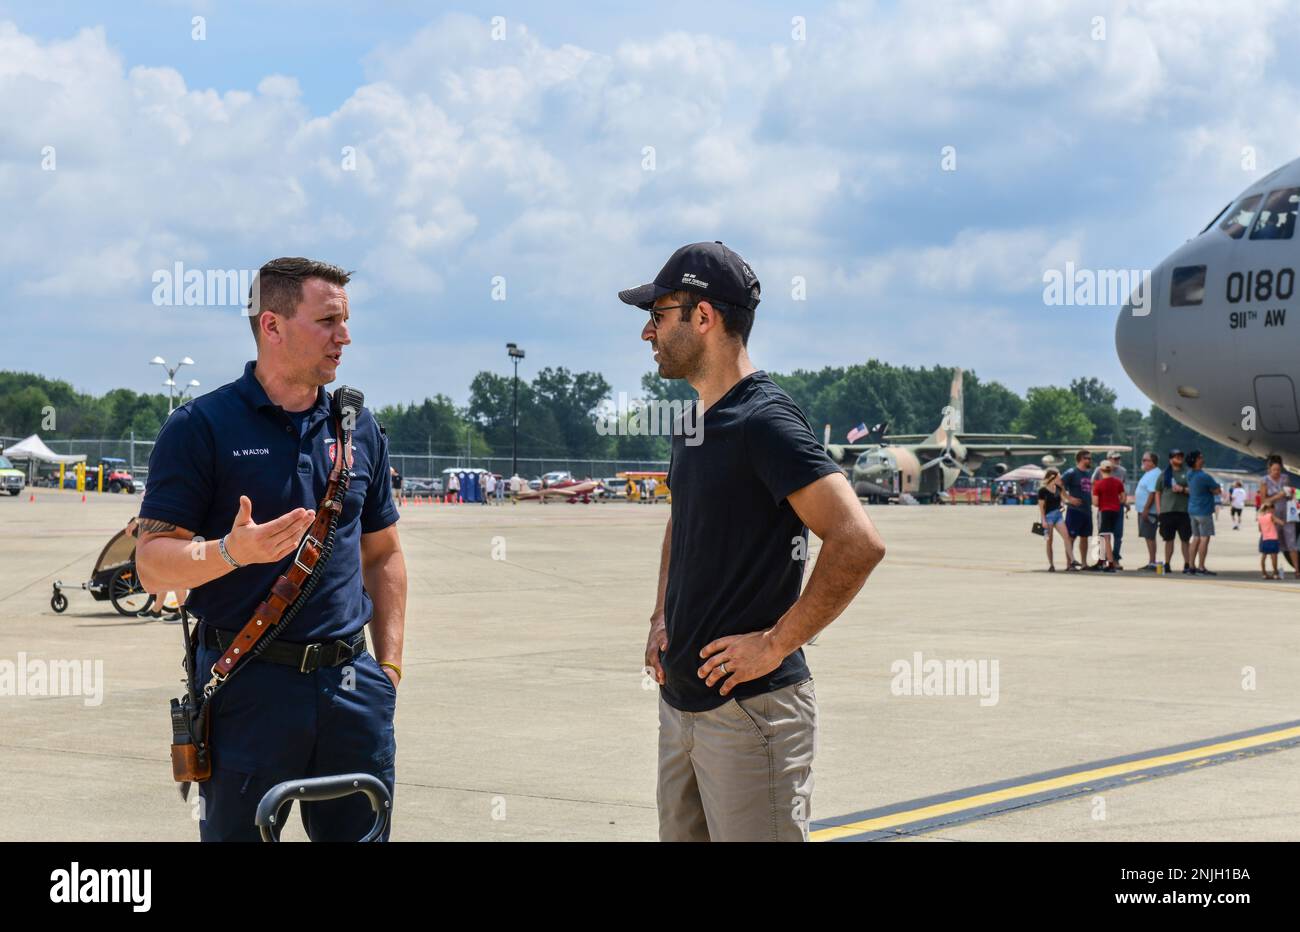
<point x="568" y="489"/>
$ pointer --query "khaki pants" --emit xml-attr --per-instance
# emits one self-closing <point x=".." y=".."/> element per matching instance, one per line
<point x="740" y="772"/>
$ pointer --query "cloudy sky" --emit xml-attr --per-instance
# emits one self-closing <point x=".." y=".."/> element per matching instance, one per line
<point x="563" y="150"/>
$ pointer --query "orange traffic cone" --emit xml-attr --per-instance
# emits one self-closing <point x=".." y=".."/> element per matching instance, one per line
<point x="32" y="497"/>
<point x="83" y="498"/>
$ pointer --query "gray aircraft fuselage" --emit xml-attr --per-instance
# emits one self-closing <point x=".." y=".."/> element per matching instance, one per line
<point x="1215" y="341"/>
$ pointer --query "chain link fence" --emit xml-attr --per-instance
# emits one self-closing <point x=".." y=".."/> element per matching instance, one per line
<point x="412" y="465"/>
<point x="424" y="466"/>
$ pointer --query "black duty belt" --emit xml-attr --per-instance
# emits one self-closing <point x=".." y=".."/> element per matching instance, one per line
<point x="305" y="657"/>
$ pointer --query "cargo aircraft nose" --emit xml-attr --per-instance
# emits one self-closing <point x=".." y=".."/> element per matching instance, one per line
<point x="1135" y="341"/>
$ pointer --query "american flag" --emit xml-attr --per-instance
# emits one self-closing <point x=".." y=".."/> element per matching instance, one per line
<point x="859" y="431"/>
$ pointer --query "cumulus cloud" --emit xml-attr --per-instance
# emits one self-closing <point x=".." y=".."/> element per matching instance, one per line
<point x="572" y="171"/>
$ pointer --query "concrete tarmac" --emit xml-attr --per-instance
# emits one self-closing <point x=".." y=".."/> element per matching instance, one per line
<point x="524" y="715"/>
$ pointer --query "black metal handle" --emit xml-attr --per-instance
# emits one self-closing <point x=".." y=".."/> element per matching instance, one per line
<point x="318" y="789"/>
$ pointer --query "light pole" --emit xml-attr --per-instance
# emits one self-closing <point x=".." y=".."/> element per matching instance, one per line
<point x="171" y="378"/>
<point x="516" y="354"/>
<point x="1136" y="435"/>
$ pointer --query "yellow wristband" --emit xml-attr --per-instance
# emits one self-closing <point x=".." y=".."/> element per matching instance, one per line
<point x="394" y="666"/>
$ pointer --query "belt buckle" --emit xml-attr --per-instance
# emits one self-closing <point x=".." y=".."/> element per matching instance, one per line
<point x="298" y="553"/>
<point x="310" y="659"/>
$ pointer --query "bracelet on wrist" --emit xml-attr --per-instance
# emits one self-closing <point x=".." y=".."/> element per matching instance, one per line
<point x="225" y="555"/>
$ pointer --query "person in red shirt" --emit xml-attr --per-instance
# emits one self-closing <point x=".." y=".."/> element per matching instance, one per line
<point x="1108" y="493"/>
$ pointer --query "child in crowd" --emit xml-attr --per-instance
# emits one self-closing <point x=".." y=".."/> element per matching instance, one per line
<point x="1268" y="546"/>
<point x="1108" y="493"/>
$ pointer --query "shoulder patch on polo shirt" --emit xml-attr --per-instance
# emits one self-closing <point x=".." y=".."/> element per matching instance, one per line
<point x="331" y="445"/>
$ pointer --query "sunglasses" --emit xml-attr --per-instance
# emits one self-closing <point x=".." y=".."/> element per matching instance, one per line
<point x="657" y="313"/>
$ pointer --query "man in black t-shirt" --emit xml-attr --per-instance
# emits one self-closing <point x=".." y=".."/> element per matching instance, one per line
<point x="737" y="712"/>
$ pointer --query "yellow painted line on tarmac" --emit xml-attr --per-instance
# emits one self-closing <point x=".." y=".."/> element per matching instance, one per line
<point x="1010" y="793"/>
<point x="1255" y="585"/>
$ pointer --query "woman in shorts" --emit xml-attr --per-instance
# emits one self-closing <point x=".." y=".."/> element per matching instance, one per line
<point x="1052" y="517"/>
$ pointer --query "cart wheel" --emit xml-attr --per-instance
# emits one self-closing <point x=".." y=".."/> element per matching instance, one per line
<point x="125" y="593"/>
<point x="59" y="602"/>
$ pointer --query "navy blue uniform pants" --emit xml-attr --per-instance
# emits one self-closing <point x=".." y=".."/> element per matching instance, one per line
<point x="271" y="723"/>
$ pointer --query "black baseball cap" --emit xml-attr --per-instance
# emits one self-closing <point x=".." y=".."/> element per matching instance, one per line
<point x="710" y="270"/>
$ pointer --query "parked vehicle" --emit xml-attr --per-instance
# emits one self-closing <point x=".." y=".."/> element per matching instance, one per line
<point x="117" y="478"/>
<point x="412" y="485"/>
<point x="556" y="477"/>
<point x="613" y="487"/>
<point x="11" y="480"/>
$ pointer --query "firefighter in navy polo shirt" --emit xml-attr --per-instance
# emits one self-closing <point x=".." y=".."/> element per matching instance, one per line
<point x="737" y="711"/>
<point x="235" y="478"/>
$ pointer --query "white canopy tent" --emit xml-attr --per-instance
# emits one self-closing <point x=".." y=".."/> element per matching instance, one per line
<point x="33" y="451"/>
<point x="32" y="448"/>
<point x="1027" y="473"/>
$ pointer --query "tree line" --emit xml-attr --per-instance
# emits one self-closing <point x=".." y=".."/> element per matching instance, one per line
<point x="558" y="410"/>
<point x="33" y="404"/>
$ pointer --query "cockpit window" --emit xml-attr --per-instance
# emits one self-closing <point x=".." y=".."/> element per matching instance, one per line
<point x="1187" y="286"/>
<point x="1217" y="218"/>
<point x="1239" y="217"/>
<point x="1276" y="218"/>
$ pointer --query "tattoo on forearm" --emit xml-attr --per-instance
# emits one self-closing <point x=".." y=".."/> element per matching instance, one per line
<point x="152" y="526"/>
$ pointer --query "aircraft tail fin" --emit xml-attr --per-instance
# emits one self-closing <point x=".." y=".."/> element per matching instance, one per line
<point x="951" y="423"/>
<point x="956" y="402"/>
